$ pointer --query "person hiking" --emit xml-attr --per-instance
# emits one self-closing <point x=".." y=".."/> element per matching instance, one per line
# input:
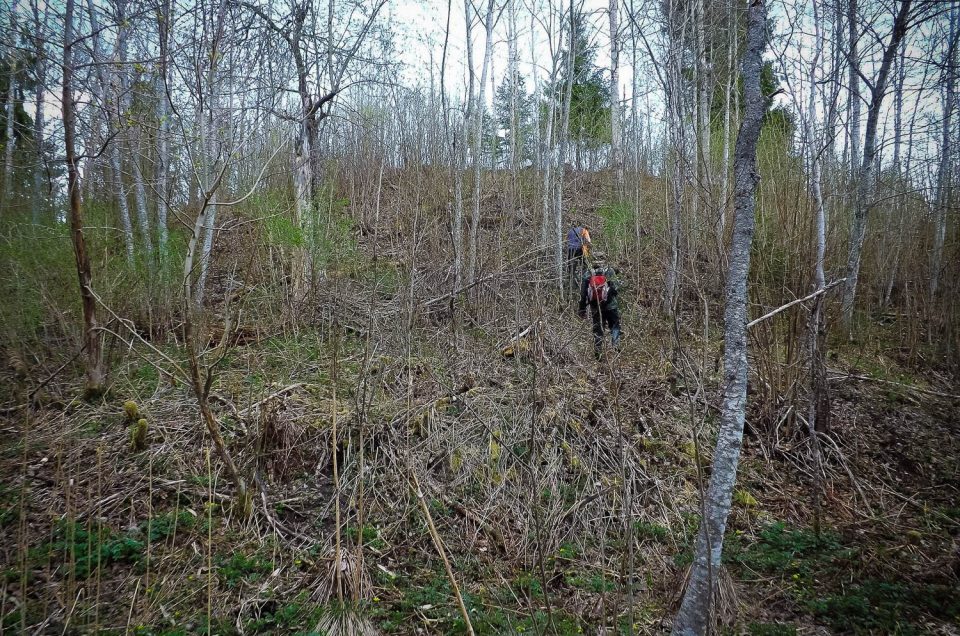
<point x="599" y="291"/>
<point x="578" y="247"/>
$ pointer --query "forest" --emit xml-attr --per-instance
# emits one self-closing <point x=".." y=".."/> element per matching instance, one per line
<point x="486" y="317"/>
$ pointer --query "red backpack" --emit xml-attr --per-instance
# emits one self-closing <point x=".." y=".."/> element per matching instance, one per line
<point x="598" y="289"/>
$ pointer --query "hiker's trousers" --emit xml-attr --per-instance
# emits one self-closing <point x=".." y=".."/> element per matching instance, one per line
<point x="609" y="316"/>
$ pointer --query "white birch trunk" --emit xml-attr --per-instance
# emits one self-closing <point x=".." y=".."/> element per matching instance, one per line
<point x="11" y="111"/>
<point x="478" y="110"/>
<point x="39" y="172"/>
<point x="562" y="155"/>
<point x="694" y="617"/>
<point x="945" y="171"/>
<point x="108" y="94"/>
<point x="721" y="224"/>
<point x="163" y="117"/>
<point x="616" y="140"/>
<point x="853" y="82"/>
<point x="864" y="190"/>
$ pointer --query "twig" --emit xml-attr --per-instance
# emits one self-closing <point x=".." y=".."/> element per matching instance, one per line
<point x="867" y="378"/>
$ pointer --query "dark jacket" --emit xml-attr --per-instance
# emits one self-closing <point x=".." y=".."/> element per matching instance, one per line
<point x="610" y="273"/>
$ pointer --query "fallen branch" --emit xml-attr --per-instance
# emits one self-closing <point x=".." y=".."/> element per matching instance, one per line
<point x="867" y="378"/>
<point x="462" y="289"/>
<point x="790" y="304"/>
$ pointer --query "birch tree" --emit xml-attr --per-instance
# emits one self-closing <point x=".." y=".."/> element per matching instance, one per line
<point x="864" y="182"/>
<point x="91" y="345"/>
<point x="945" y="170"/>
<point x="695" y="611"/>
<point x="163" y="87"/>
<point x="616" y="142"/>
<point x="479" y="108"/>
<point x="111" y="100"/>
<point x="853" y="87"/>
<point x="12" y="62"/>
<point x="40" y="73"/>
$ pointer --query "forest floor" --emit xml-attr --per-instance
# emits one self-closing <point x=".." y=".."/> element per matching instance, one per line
<point x="564" y="491"/>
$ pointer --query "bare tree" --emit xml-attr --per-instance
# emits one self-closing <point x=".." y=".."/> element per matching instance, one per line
<point x="616" y="141"/>
<point x="853" y="86"/>
<point x="94" y="364"/>
<point x="695" y="611"/>
<point x="12" y="60"/>
<point x="165" y="18"/>
<point x="479" y="108"/>
<point x="945" y="171"/>
<point x="40" y="72"/>
<point x="864" y="180"/>
<point x="112" y="100"/>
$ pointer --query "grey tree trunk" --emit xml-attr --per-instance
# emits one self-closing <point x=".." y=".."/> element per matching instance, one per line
<point x="478" y="111"/>
<point x="818" y="413"/>
<point x="92" y="351"/>
<point x="725" y="164"/>
<point x="11" y="111"/>
<point x="562" y="156"/>
<point x="163" y="116"/>
<point x="853" y="82"/>
<point x="695" y="611"/>
<point x="864" y="190"/>
<point x="616" y="140"/>
<point x="128" y="135"/>
<point x="677" y="149"/>
<point x="945" y="172"/>
<point x="897" y="170"/>
<point x="39" y="196"/>
<point x="112" y="100"/>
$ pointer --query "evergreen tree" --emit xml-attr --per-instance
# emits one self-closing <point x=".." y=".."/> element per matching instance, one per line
<point x="503" y="120"/>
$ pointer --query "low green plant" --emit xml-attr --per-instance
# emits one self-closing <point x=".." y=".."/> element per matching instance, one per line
<point x="240" y="568"/>
<point x="649" y="531"/>
<point x="85" y="548"/>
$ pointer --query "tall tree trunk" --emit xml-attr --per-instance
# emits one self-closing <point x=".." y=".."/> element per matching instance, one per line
<point x="94" y="364"/>
<point x="864" y="189"/>
<point x="677" y="149"/>
<point x="616" y="141"/>
<point x="12" y="60"/>
<point x="818" y="412"/>
<point x="728" y="89"/>
<point x="898" y="174"/>
<point x="478" y="111"/>
<point x="40" y="203"/>
<point x="127" y="135"/>
<point x="695" y="611"/>
<point x="945" y="172"/>
<point x="853" y="80"/>
<point x="562" y="157"/>
<point x="210" y="141"/>
<point x="112" y="100"/>
<point x="163" y="116"/>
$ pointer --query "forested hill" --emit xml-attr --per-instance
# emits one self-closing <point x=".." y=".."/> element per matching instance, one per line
<point x="298" y="341"/>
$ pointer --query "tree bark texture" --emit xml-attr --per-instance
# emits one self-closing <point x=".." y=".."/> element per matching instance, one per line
<point x="94" y="366"/>
<point x="695" y="612"/>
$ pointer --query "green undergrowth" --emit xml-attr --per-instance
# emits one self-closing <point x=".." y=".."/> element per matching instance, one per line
<point x="821" y="574"/>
